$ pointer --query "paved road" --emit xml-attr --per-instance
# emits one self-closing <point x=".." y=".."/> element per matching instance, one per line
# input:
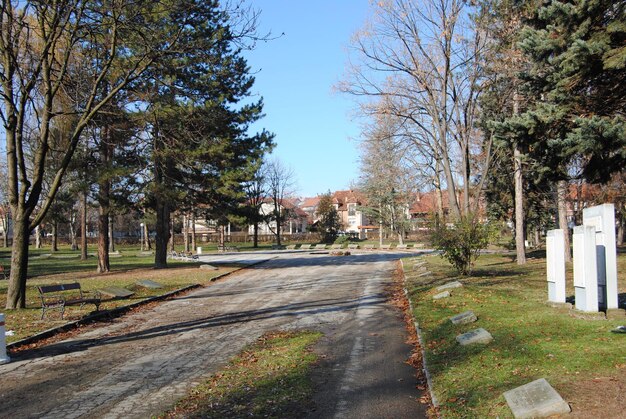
<point x="141" y="363"/>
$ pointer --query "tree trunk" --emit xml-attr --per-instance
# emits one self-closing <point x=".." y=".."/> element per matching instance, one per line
<point x="519" y="207"/>
<point x="561" y="197"/>
<point x="171" y="226"/>
<point x="16" y="292"/>
<point x="104" y="201"/>
<point x="73" y="231"/>
<point x="466" y="180"/>
<point x="519" y="194"/>
<point x="146" y="237"/>
<point x="220" y="237"/>
<point x="255" y="237"/>
<point x="162" y="233"/>
<point x="193" y="232"/>
<point x="186" y="232"/>
<point x="438" y="193"/>
<point x="5" y="235"/>
<point x="380" y="226"/>
<point x="103" y="240"/>
<point x="83" y="227"/>
<point x="111" y="235"/>
<point x="55" y="237"/>
<point x="38" y="237"/>
<point x="278" y="222"/>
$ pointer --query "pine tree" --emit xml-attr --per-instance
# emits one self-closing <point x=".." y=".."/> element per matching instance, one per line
<point x="202" y="153"/>
<point x="329" y="222"/>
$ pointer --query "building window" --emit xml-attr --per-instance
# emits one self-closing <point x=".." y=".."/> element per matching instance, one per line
<point x="351" y="210"/>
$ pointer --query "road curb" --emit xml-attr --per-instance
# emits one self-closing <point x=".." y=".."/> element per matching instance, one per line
<point x="115" y="312"/>
<point x="429" y="382"/>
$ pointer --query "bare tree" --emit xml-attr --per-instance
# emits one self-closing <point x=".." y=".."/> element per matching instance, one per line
<point x="49" y="49"/>
<point x="423" y="58"/>
<point x="255" y="196"/>
<point x="5" y="208"/>
<point x="280" y="186"/>
<point x="387" y="176"/>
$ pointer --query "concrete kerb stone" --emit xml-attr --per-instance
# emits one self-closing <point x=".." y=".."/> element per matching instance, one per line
<point x="115" y="312"/>
<point x="429" y="381"/>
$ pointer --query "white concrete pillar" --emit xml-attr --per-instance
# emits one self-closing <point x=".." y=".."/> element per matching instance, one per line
<point x="4" y="358"/>
<point x="585" y="268"/>
<point x="555" y="265"/>
<point x="602" y="218"/>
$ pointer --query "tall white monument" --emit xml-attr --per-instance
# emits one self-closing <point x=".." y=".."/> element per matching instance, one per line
<point x="585" y="268"/>
<point x="555" y="260"/>
<point x="602" y="219"/>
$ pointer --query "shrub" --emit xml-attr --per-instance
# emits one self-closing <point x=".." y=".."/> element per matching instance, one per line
<point x="342" y="239"/>
<point x="461" y="242"/>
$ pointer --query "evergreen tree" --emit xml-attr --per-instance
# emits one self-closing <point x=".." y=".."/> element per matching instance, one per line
<point x="577" y="69"/>
<point x="329" y="223"/>
<point x="202" y="152"/>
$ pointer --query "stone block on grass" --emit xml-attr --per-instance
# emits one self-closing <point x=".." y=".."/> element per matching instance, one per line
<point x="537" y="399"/>
<point x="146" y="283"/>
<point x="441" y="295"/>
<point x="464" y="318"/>
<point x="116" y="292"/>
<point x="472" y="337"/>
<point x="449" y="285"/>
<point x="208" y="267"/>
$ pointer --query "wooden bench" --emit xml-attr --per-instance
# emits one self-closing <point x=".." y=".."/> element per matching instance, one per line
<point x="305" y="247"/>
<point x="369" y="247"/>
<point x="353" y="246"/>
<point x="385" y="247"/>
<point x="56" y="297"/>
<point x="336" y="246"/>
<point x="402" y="247"/>
<point x="321" y="246"/>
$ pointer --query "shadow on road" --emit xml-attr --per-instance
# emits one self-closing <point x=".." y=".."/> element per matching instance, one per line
<point x="289" y="310"/>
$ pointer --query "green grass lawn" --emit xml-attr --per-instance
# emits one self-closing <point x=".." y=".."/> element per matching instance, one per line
<point x="531" y="339"/>
<point x="65" y="266"/>
<point x="267" y="379"/>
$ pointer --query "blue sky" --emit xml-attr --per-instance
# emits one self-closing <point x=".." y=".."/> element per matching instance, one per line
<point x="314" y="126"/>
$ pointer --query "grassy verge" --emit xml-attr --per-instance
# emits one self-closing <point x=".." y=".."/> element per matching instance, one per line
<point x="531" y="340"/>
<point x="126" y="270"/>
<point x="268" y="379"/>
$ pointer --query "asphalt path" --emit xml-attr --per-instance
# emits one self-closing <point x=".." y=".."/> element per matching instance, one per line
<point x="140" y="364"/>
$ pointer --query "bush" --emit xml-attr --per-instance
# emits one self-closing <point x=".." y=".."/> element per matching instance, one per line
<point x="462" y="242"/>
<point x="342" y="239"/>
